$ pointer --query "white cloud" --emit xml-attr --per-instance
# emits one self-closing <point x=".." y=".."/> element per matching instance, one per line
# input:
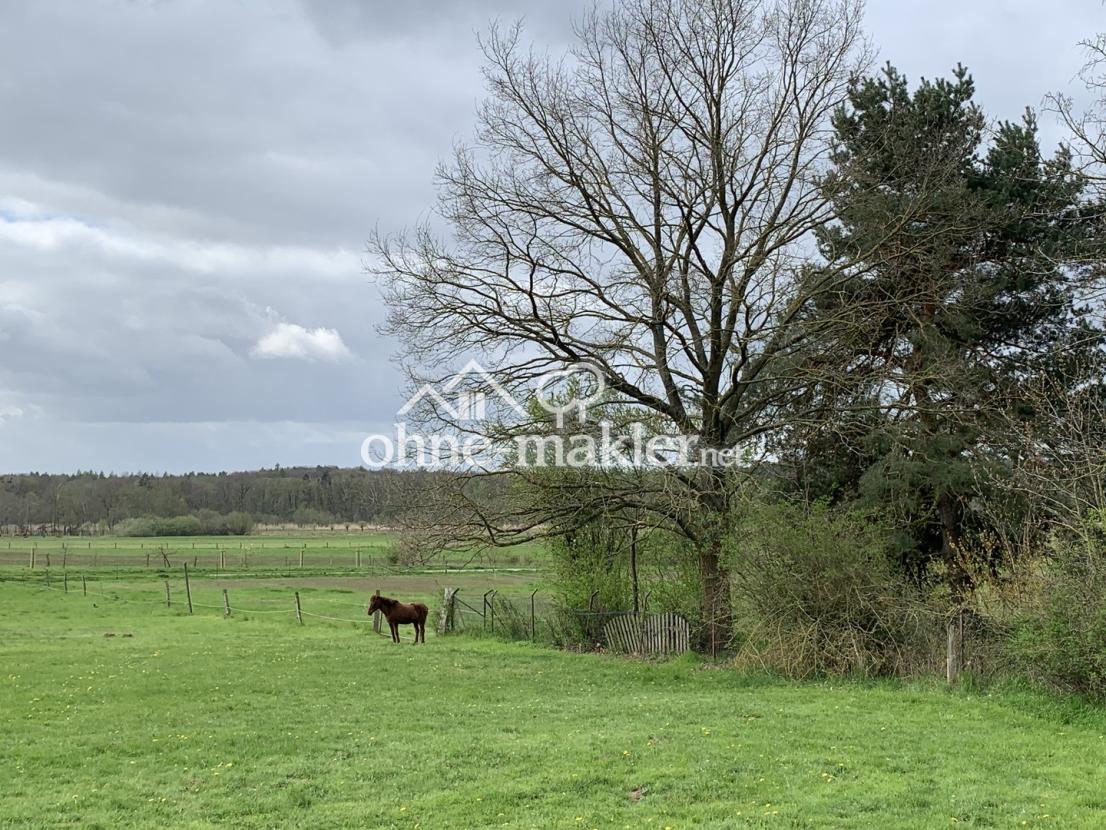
<point x="10" y="413"/>
<point x="289" y="340"/>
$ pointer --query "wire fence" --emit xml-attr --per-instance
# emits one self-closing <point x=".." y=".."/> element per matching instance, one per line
<point x="339" y="611"/>
<point x="626" y="632"/>
<point x="374" y="559"/>
<point x="489" y="613"/>
<point x="246" y="559"/>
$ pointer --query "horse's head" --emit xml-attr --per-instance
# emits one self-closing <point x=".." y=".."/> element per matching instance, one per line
<point x="376" y="603"/>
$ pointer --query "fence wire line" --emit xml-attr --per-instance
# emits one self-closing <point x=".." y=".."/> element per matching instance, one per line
<point x="95" y="586"/>
<point x="195" y="604"/>
<point x="334" y="619"/>
<point x="234" y="609"/>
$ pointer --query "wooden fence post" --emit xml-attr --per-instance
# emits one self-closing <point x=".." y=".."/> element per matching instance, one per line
<point x="84" y="586"/>
<point x="299" y="612"/>
<point x="484" y="608"/>
<point x="301" y="557"/>
<point x="187" y="588"/>
<point x="226" y="603"/>
<point x="65" y="581"/>
<point x="445" y="619"/>
<point x="378" y="621"/>
<point x="533" y="618"/>
<point x="32" y="563"/>
<point x="168" y="602"/>
<point x="954" y="656"/>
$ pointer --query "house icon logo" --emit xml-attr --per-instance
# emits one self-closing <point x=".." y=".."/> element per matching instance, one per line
<point x="464" y="397"/>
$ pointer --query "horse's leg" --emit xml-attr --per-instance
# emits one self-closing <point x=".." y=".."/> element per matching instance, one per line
<point x="395" y="631"/>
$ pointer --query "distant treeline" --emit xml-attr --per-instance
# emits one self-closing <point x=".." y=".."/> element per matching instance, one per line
<point x="219" y="503"/>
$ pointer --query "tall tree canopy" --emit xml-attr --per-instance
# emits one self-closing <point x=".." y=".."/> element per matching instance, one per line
<point x="971" y="299"/>
<point x="643" y="205"/>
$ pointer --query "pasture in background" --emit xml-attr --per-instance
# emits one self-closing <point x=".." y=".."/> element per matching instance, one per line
<point x="285" y="551"/>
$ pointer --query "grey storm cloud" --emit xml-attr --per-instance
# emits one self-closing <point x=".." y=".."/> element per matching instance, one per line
<point x="186" y="189"/>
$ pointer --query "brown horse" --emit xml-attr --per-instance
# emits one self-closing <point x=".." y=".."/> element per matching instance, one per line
<point x="400" y="613"/>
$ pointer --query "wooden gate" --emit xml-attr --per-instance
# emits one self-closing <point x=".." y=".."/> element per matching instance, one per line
<point x="651" y="635"/>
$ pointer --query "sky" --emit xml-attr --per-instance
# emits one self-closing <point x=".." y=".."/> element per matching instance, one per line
<point x="187" y="186"/>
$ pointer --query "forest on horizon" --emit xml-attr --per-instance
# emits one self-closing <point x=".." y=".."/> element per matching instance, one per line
<point x="96" y="502"/>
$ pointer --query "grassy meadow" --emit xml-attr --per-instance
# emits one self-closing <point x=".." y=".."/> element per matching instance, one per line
<point x="321" y="550"/>
<point x="118" y="712"/>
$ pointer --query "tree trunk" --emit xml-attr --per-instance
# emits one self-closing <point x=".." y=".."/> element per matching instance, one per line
<point x="960" y="585"/>
<point x="717" y="613"/>
<point x="633" y="566"/>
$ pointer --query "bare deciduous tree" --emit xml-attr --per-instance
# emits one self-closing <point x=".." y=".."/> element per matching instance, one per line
<point x="644" y="205"/>
<point x="1088" y="127"/>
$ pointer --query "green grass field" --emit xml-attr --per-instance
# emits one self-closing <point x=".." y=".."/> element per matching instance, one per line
<point x="256" y="722"/>
<point x="320" y="550"/>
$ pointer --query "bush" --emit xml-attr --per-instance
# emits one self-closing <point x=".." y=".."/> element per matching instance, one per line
<point x="238" y="524"/>
<point x="1060" y="639"/>
<point x="179" y="526"/>
<point x="205" y="523"/>
<point x="135" y="527"/>
<point x="588" y="566"/>
<point x="816" y="594"/>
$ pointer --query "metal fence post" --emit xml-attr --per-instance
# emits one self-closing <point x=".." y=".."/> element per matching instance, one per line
<point x="187" y="588"/>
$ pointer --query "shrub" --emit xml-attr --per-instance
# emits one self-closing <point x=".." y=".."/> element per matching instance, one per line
<point x="816" y="594"/>
<point x="178" y="526"/>
<point x="588" y="564"/>
<point x="135" y="527"/>
<point x="1060" y="639"/>
<point x="238" y="523"/>
<point x="205" y="523"/>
